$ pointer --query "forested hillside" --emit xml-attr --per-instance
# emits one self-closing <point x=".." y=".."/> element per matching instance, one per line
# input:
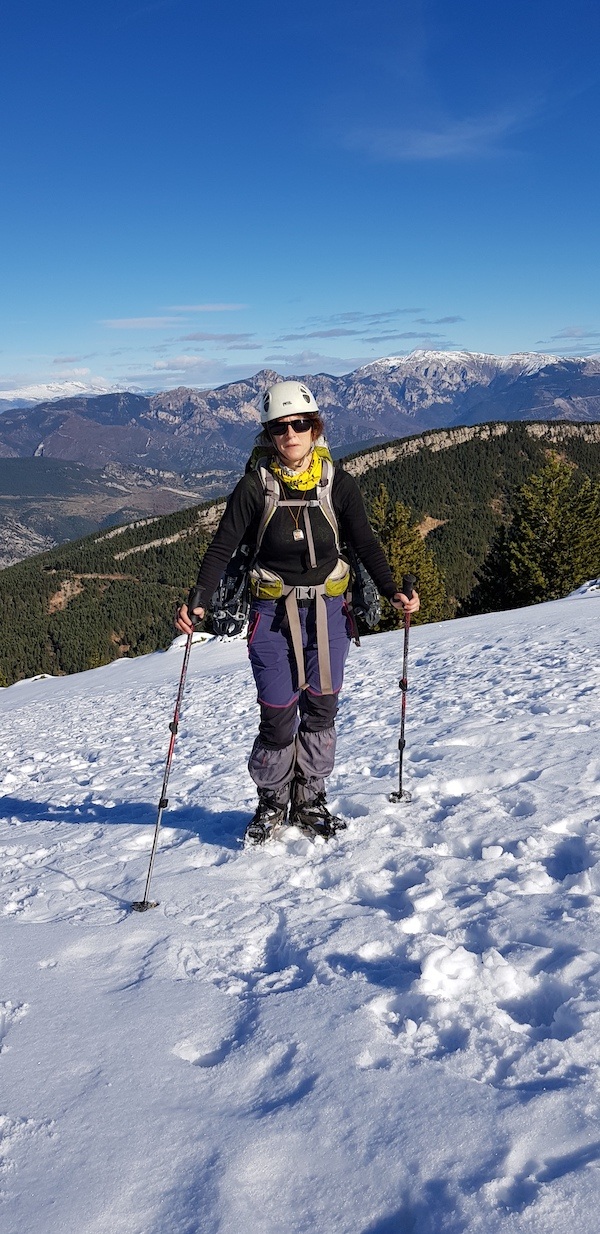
<point x="467" y="488"/>
<point x="85" y="603"/>
<point x="45" y="501"/>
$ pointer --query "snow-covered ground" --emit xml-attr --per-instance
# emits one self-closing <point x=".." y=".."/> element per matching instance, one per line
<point x="398" y="1033"/>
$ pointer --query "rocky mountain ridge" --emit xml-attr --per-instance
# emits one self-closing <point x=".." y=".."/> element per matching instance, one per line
<point x="444" y="439"/>
<point x="189" y="430"/>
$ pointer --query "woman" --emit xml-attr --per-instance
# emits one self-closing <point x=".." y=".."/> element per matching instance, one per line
<point x="297" y="509"/>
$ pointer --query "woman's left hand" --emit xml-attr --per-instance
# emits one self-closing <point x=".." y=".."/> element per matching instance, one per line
<point x="400" y="601"/>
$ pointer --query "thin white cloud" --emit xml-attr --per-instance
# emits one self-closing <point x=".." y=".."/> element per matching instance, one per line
<point x="424" y="336"/>
<point x="575" y="342"/>
<point x="575" y="332"/>
<point x="438" y="321"/>
<point x="198" y="368"/>
<point x="338" y="332"/>
<point x="354" y="317"/>
<point x="477" y="137"/>
<point x="200" y="337"/>
<point x="179" y="364"/>
<point x="142" y="323"/>
<point x="73" y="372"/>
<point x="573" y="351"/>
<point x="313" y="362"/>
<point x="206" y="308"/>
<point x="206" y="373"/>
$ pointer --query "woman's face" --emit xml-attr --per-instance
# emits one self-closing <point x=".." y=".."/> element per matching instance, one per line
<point x="294" y="444"/>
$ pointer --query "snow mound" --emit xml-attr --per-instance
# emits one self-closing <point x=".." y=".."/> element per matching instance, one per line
<point x="199" y="636"/>
<point x="591" y="588"/>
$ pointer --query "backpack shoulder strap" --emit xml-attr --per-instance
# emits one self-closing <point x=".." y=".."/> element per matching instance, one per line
<point x="325" y="495"/>
<point x="272" y="494"/>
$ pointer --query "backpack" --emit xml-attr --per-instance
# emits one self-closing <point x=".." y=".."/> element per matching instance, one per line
<point x="244" y="578"/>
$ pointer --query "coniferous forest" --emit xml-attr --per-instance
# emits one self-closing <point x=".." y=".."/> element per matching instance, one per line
<point x="488" y="523"/>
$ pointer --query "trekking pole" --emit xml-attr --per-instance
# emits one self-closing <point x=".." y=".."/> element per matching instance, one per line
<point x="142" y="906"/>
<point x="408" y="583"/>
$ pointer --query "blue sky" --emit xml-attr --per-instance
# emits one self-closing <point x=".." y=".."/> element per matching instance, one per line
<point x="194" y="191"/>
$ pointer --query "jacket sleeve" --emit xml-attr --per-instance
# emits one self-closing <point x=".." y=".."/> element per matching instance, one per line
<point x="242" y="510"/>
<point x="355" y="527"/>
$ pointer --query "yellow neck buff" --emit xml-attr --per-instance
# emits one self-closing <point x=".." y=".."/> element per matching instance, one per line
<point x="301" y="480"/>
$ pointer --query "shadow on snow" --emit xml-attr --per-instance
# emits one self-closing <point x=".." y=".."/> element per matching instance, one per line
<point x="223" y="828"/>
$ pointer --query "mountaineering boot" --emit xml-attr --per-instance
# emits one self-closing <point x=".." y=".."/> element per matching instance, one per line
<point x="313" y="817"/>
<point x="268" y="816"/>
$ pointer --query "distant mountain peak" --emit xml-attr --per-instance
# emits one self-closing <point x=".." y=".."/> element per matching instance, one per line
<point x="450" y="361"/>
<point x="191" y="430"/>
<point x="50" y="391"/>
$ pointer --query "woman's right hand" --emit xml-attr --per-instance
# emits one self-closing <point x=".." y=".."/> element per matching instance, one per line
<point x="182" y="619"/>
<point x="400" y="601"/>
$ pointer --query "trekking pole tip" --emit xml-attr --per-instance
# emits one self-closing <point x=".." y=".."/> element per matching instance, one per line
<point x="142" y="906"/>
<point x="402" y="796"/>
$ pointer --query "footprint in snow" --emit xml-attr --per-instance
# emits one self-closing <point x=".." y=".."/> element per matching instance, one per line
<point x="548" y="1010"/>
<point x="350" y="808"/>
<point x="187" y="961"/>
<point x="216" y="1027"/>
<point x="19" y="901"/>
<point x="518" y="1192"/>
<point x="399" y="894"/>
<point x="193" y="1052"/>
<point x="15" y="1132"/>
<point x="282" y="964"/>
<point x="10" y="1013"/>
<point x="571" y="857"/>
<point x="280" y="1079"/>
<point x="265" y="961"/>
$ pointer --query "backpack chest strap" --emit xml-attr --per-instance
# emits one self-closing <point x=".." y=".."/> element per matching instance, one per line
<point x="279" y="502"/>
<point x="273" y="501"/>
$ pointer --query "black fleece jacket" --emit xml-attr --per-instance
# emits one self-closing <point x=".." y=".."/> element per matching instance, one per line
<point x="280" y="552"/>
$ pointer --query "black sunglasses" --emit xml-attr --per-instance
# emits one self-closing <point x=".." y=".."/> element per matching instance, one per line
<point x="277" y="429"/>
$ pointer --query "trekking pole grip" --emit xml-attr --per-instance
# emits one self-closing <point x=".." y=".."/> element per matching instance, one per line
<point x="408" y="583"/>
<point x="194" y="600"/>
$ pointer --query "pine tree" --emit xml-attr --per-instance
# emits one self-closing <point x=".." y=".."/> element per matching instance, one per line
<point x="551" y="546"/>
<point x="407" y="553"/>
<point x="588" y="544"/>
<point x="493" y="579"/>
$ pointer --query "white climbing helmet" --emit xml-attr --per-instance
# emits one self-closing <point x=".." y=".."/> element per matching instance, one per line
<point x="287" y="398"/>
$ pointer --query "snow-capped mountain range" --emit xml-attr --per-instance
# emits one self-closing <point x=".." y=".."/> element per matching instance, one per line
<point x="191" y="430"/>
<point x="28" y="396"/>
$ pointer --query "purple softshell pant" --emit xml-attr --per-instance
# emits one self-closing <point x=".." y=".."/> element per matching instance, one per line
<point x="296" y="736"/>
